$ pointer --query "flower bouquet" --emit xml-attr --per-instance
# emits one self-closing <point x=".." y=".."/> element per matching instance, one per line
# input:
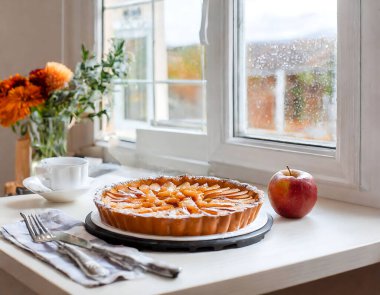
<point x="47" y="102"/>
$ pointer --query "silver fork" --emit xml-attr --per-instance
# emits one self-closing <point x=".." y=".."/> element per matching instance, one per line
<point x="40" y="234"/>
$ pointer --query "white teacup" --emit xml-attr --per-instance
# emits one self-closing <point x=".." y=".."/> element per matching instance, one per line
<point x="62" y="173"/>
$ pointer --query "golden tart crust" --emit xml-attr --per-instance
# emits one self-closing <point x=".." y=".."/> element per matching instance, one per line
<point x="179" y="206"/>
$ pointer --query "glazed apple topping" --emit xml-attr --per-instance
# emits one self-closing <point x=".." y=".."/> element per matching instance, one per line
<point x="179" y="199"/>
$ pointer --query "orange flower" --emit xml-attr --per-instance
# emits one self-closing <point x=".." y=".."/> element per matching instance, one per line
<point x="10" y="83"/>
<point x="16" y="105"/>
<point x="38" y="77"/>
<point x="57" y="76"/>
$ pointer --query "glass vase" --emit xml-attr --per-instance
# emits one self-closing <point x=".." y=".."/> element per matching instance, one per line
<point x="48" y="136"/>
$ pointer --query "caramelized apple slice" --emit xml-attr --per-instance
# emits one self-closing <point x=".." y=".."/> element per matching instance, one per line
<point x="113" y="195"/>
<point x="190" y="205"/>
<point x="152" y="198"/>
<point x="201" y="203"/>
<point x="147" y="204"/>
<point x="192" y="193"/>
<point x="164" y="194"/>
<point x="169" y="186"/>
<point x="180" y="196"/>
<point x="216" y="191"/>
<point x="203" y="187"/>
<point x="241" y="199"/>
<point x="117" y="195"/>
<point x="183" y="185"/>
<point x="144" y="187"/>
<point x="210" y="211"/>
<point x="207" y="205"/>
<point x="216" y="186"/>
<point x="235" y="194"/>
<point x="135" y="190"/>
<point x="155" y="187"/>
<point x="229" y="192"/>
<point x="159" y="203"/>
<point x="232" y="191"/>
<point x="171" y="200"/>
<point x="120" y="200"/>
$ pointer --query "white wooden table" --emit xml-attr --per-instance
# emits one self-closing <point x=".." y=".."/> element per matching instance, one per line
<point x="334" y="238"/>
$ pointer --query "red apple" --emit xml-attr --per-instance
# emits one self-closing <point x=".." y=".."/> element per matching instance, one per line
<point x="292" y="193"/>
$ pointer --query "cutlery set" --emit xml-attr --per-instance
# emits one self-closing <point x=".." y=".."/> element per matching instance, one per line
<point x="125" y="261"/>
<point x="64" y="242"/>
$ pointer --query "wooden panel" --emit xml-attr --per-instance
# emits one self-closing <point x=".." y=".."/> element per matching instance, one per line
<point x="12" y="286"/>
<point x="363" y="281"/>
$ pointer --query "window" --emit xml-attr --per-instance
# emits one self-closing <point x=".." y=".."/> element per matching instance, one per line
<point x="166" y="84"/>
<point x="260" y="141"/>
<point x="289" y="82"/>
<point x="286" y="71"/>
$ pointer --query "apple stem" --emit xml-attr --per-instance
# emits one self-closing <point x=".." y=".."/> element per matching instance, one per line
<point x="290" y="172"/>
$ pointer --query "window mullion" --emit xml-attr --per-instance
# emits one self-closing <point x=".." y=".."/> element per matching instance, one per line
<point x="152" y="98"/>
<point x="219" y="72"/>
<point x="239" y="84"/>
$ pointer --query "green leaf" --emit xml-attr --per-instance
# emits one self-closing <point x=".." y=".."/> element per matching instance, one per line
<point x="85" y="53"/>
<point x="92" y="79"/>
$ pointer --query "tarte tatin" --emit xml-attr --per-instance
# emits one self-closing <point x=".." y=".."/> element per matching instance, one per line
<point x="179" y="206"/>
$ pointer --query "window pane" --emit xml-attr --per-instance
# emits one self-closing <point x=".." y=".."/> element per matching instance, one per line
<point x="185" y="105"/>
<point x="178" y="60"/>
<point x="286" y="61"/>
<point x="166" y="80"/>
<point x="129" y="105"/>
<point x="135" y="101"/>
<point x="132" y="99"/>
<point x="133" y="23"/>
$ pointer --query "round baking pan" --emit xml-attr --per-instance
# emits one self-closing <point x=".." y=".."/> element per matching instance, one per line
<point x="241" y="238"/>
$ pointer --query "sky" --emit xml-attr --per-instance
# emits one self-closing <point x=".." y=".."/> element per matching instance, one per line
<point x="265" y="20"/>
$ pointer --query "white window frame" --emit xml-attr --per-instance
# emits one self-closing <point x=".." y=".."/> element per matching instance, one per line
<point x="347" y="173"/>
<point x="340" y="166"/>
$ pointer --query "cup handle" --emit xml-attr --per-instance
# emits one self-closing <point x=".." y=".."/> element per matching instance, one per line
<point x="43" y="174"/>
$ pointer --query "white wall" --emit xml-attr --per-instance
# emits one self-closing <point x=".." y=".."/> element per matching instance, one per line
<point x="33" y="32"/>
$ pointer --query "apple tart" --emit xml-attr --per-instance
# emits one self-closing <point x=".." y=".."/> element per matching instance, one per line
<point x="179" y="206"/>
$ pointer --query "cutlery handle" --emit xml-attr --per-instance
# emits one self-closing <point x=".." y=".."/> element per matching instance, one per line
<point x="129" y="263"/>
<point x="162" y="269"/>
<point x="88" y="265"/>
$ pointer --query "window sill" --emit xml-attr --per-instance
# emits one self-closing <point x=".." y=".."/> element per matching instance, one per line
<point x="165" y="149"/>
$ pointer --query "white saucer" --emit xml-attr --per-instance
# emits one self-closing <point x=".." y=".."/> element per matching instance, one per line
<point x="68" y="195"/>
<point x="260" y="221"/>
